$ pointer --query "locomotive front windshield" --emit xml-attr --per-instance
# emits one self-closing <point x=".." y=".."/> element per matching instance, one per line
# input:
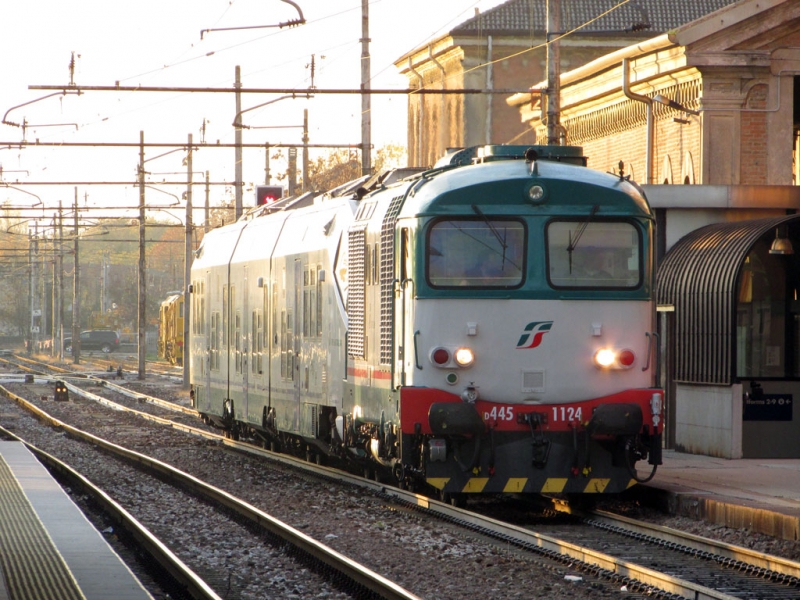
<point x="473" y="253"/>
<point x="593" y="254"/>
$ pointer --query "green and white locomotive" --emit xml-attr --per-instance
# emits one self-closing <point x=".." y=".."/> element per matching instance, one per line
<point x="485" y="326"/>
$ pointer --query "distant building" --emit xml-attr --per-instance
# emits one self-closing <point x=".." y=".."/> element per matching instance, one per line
<point x="504" y="49"/>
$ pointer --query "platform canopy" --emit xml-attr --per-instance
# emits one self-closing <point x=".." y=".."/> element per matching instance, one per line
<point x="700" y="278"/>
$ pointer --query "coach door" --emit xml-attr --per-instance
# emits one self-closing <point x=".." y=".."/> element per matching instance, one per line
<point x="244" y="325"/>
<point x="206" y="330"/>
<point x="297" y="339"/>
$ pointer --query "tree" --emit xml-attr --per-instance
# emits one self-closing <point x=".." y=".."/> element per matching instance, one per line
<point x="14" y="276"/>
<point x="337" y="167"/>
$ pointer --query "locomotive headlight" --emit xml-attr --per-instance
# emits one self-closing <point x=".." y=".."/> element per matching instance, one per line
<point x="608" y="358"/>
<point x="464" y="357"/>
<point x="605" y="358"/>
<point x="448" y="358"/>
<point x="536" y="193"/>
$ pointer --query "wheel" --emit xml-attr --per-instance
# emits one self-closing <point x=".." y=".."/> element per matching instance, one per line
<point x="68" y="349"/>
<point x="106" y="348"/>
<point x="458" y="500"/>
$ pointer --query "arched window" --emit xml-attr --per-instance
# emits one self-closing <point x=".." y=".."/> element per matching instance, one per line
<point x="687" y="169"/>
<point x="666" y="171"/>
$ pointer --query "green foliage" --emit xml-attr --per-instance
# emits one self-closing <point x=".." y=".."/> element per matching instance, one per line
<point x="14" y="278"/>
<point x="337" y="167"/>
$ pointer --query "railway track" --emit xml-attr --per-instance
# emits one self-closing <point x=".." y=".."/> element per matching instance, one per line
<point x="612" y="546"/>
<point x="341" y="572"/>
<point x="726" y="570"/>
<point x="102" y="365"/>
<point x="426" y="555"/>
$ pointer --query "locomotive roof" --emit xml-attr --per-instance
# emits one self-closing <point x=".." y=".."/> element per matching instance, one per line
<point x="501" y="181"/>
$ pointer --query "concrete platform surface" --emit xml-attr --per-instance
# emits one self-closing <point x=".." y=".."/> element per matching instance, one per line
<point x="48" y="548"/>
<point x="758" y="494"/>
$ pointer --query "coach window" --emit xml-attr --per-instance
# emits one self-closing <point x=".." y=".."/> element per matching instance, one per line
<point x="214" y="342"/>
<point x="237" y="340"/>
<point x="256" y="348"/>
<point x="306" y="301"/>
<point x="593" y="254"/>
<point x="225" y="316"/>
<point x="319" y="301"/>
<point x="476" y="253"/>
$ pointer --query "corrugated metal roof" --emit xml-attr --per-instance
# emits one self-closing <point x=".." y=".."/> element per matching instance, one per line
<point x="516" y="16"/>
<point x="699" y="277"/>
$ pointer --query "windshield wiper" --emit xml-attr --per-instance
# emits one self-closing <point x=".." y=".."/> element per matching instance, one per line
<point x="573" y="243"/>
<point x="493" y="230"/>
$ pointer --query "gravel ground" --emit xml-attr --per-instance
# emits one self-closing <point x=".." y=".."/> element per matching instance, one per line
<point x="433" y="559"/>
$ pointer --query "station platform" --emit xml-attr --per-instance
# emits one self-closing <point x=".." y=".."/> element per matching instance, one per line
<point x="762" y="495"/>
<point x="48" y="549"/>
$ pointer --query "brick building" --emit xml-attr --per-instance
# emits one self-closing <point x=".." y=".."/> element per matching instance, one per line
<point x="713" y="103"/>
<point x="734" y="66"/>
<point x="504" y="49"/>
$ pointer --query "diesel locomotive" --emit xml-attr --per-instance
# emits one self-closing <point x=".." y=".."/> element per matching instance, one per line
<point x="483" y="326"/>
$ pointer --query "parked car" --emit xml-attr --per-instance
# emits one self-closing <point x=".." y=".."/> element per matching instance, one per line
<point x="106" y="340"/>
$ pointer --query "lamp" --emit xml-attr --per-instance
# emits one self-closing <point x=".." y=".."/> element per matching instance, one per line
<point x="676" y="105"/>
<point x="781" y="245"/>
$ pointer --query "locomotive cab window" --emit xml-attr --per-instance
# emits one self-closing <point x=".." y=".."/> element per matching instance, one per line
<point x="593" y="254"/>
<point x="476" y="253"/>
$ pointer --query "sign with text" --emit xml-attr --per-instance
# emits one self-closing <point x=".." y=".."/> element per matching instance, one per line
<point x="768" y="407"/>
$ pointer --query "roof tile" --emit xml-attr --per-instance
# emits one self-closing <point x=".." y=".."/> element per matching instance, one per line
<point x="652" y="16"/>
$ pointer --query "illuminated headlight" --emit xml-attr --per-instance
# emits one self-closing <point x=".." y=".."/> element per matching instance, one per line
<point x="608" y="358"/>
<point x="605" y="358"/>
<point x="449" y="357"/>
<point x="464" y="357"/>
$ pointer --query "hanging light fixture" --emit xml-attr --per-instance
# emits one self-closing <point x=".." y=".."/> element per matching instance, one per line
<point x="781" y="245"/>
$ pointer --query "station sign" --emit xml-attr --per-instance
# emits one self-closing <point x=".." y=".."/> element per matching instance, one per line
<point x="768" y="407"/>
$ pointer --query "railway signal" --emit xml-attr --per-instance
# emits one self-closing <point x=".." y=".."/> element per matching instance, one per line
<point x="61" y="392"/>
<point x="267" y="194"/>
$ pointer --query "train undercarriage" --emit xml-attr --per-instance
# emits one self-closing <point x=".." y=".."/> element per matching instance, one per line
<point x="454" y="467"/>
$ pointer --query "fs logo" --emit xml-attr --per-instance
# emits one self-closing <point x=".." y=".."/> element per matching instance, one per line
<point x="533" y="333"/>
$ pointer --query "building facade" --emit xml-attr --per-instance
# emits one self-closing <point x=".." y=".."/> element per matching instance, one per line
<point x="707" y="117"/>
<point x="504" y="50"/>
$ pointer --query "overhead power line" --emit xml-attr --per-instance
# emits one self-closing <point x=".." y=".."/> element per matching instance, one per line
<point x="298" y="91"/>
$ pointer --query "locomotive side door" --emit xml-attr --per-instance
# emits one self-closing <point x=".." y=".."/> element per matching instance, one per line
<point x="406" y="338"/>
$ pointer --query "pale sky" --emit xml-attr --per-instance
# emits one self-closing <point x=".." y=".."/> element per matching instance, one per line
<point x="157" y="43"/>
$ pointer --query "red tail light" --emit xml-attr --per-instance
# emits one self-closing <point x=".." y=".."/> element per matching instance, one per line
<point x="625" y="358"/>
<point x="441" y="356"/>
